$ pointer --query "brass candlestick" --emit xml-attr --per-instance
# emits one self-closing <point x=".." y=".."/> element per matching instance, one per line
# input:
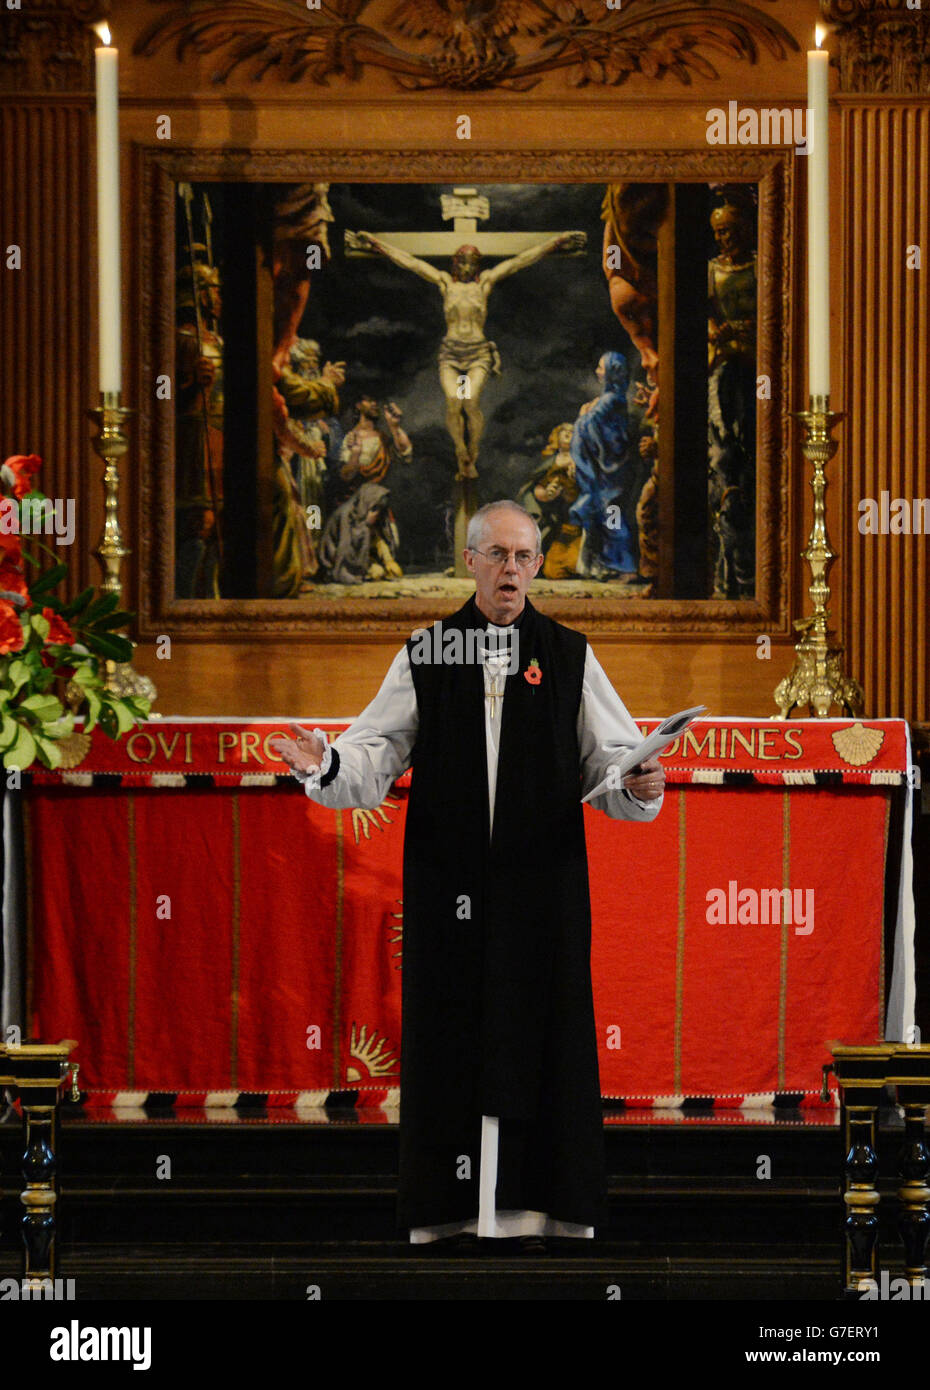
<point x="110" y="445"/>
<point x="816" y="678"/>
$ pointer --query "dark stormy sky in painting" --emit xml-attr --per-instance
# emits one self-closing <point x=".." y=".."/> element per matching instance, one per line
<point x="551" y="322"/>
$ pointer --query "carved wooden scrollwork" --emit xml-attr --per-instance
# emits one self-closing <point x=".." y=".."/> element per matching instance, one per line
<point x="468" y="44"/>
<point x="882" y="45"/>
<point x="48" y="47"/>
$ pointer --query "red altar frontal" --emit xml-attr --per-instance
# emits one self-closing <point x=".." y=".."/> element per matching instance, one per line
<point x="205" y="930"/>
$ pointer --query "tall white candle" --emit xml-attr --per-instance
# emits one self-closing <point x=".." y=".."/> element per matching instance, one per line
<point x="108" y="252"/>
<point x="818" y="219"/>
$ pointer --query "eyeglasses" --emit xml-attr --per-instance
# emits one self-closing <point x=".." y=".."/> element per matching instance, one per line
<point x="497" y="555"/>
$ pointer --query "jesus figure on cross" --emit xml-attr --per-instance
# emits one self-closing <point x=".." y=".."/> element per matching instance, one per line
<point x="466" y="357"/>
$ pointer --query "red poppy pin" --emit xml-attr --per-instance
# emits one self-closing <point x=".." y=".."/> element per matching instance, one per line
<point x="532" y="674"/>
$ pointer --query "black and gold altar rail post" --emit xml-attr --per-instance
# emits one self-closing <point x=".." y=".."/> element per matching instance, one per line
<point x="37" y="1071"/>
<point x="862" y="1073"/>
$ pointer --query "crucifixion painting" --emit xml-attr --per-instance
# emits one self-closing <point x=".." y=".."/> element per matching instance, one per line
<point x="548" y="388"/>
<point x="466" y="356"/>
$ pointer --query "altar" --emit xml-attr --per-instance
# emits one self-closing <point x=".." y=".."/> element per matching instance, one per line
<point x="205" y="931"/>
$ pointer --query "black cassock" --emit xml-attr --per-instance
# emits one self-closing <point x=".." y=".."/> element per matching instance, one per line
<point x="498" y="1015"/>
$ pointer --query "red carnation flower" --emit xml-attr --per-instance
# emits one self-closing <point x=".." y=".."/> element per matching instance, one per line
<point x="10" y="551"/>
<point x="11" y="629"/>
<point x="59" y="632"/>
<point x="12" y="580"/>
<point x="17" y="472"/>
<point x="49" y="661"/>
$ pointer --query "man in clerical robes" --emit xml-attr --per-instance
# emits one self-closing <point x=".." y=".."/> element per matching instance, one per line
<point x="501" y="1131"/>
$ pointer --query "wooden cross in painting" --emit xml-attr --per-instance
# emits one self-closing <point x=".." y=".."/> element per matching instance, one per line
<point x="466" y="356"/>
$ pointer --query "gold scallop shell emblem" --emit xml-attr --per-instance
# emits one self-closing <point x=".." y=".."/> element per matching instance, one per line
<point x="858" y="745"/>
<point x="73" y="749"/>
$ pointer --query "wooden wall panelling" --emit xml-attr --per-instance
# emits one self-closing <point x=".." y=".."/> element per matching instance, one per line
<point x="44" y="306"/>
<point x="883" y="53"/>
<point x="887" y="361"/>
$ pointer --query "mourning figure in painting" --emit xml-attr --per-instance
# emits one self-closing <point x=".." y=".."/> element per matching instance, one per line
<point x="599" y="446"/>
<point x="547" y="496"/>
<point x="361" y="540"/>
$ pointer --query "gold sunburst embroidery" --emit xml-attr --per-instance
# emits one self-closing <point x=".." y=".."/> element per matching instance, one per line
<point x="396" y="937"/>
<point x="858" y="744"/>
<point x="373" y="1053"/>
<point x="362" y="820"/>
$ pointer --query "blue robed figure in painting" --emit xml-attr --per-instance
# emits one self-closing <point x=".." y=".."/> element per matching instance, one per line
<point x="599" y="446"/>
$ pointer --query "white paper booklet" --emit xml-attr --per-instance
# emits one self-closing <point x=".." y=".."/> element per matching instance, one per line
<point x="666" y="733"/>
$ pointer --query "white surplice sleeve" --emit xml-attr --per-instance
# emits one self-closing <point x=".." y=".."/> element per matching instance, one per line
<point x="605" y="732"/>
<point x="374" y="750"/>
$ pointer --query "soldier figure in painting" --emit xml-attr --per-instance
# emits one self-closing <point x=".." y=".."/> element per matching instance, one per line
<point x="731" y="390"/>
<point x="199" y="427"/>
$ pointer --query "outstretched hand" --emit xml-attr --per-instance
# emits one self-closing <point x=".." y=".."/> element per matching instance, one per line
<point x="647" y="782"/>
<point x="359" y="241"/>
<point x="303" y="753"/>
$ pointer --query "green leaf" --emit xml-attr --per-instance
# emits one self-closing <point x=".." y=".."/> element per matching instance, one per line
<point x="99" y="608"/>
<point x="60" y="728"/>
<point x="94" y="706"/>
<point x="8" y="728"/>
<point x="48" y="580"/>
<point x="118" y="619"/>
<point x="17" y="676"/>
<point x="125" y="719"/>
<point x="49" y="752"/>
<point x="140" y="706"/>
<point x="107" y="720"/>
<point x="23" y="751"/>
<point x="108" y="644"/>
<point x="44" y="707"/>
<point x="78" y="604"/>
<point x="40" y="625"/>
<point x="85" y="675"/>
<point x="43" y="678"/>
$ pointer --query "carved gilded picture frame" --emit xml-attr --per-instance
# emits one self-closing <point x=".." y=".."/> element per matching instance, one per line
<point x="599" y="607"/>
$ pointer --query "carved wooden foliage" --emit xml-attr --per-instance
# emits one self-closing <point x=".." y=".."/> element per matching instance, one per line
<point x="468" y="44"/>
<point x="883" y="45"/>
<point x="47" y="46"/>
